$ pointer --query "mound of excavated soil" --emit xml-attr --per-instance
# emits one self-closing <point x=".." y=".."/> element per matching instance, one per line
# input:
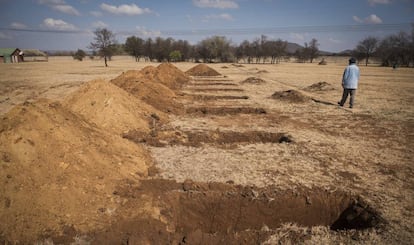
<point x="112" y="108"/>
<point x="59" y="172"/>
<point x="253" y="80"/>
<point x="320" y="86"/>
<point x="145" y="88"/>
<point x="167" y="74"/>
<point x="202" y="70"/>
<point x="290" y="96"/>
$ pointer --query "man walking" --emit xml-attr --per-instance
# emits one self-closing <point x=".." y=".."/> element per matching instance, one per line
<point x="350" y="80"/>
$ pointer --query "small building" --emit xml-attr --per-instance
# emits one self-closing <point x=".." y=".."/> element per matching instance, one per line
<point x="11" y="55"/>
<point x="34" y="55"/>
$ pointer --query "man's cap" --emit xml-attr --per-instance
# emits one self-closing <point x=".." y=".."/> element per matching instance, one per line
<point x="352" y="60"/>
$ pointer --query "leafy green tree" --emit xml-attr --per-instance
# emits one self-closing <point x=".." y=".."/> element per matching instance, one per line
<point x="104" y="43"/>
<point x="149" y="49"/>
<point x="215" y="48"/>
<point x="175" y="56"/>
<point x="185" y="49"/>
<point x="134" y="46"/>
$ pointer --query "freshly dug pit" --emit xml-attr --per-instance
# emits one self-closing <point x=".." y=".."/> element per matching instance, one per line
<point x="209" y="79"/>
<point x="217" y="213"/>
<point x="218" y="97"/>
<point x="217" y="89"/>
<point x="213" y="84"/>
<point x="224" y="110"/>
<point x="197" y="138"/>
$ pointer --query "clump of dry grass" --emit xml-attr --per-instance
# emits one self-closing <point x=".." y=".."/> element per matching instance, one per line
<point x="291" y="234"/>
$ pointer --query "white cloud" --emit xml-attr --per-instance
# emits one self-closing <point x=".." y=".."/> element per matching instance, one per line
<point x="61" y="6"/>
<point x="67" y="9"/>
<point x="333" y="40"/>
<point x="221" y="4"/>
<point x="4" y="36"/>
<point x="51" y="2"/>
<point x="223" y="16"/>
<point x="132" y="9"/>
<point x="372" y="19"/>
<point x="99" y="24"/>
<point x="142" y="31"/>
<point x="357" y="19"/>
<point x="297" y="36"/>
<point x="96" y="13"/>
<point x="18" y="25"/>
<point x="374" y="2"/>
<point x="59" y="25"/>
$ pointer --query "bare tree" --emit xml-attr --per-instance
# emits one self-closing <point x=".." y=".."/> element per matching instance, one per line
<point x="104" y="43"/>
<point x="396" y="49"/>
<point x="277" y="50"/>
<point x="302" y="54"/>
<point x="367" y="47"/>
<point x="309" y="52"/>
<point x="313" y="49"/>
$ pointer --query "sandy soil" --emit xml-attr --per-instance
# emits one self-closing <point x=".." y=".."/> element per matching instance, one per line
<point x="237" y="148"/>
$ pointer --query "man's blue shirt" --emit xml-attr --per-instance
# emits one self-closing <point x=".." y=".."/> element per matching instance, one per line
<point x="351" y="77"/>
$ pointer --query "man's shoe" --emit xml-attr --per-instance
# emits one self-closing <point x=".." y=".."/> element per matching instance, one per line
<point x="339" y="103"/>
<point x="350" y="106"/>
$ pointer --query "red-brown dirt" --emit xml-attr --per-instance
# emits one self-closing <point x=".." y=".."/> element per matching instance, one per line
<point x="253" y="80"/>
<point x="202" y="70"/>
<point x="152" y="92"/>
<point x="112" y="108"/>
<point x="260" y="170"/>
<point x="320" y="86"/>
<point x="218" y="213"/>
<point x="59" y="170"/>
<point x="290" y="96"/>
<point x="217" y="138"/>
<point x="167" y="74"/>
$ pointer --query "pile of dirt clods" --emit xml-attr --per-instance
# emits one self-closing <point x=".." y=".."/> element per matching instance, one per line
<point x="59" y="170"/>
<point x="202" y="70"/>
<point x="155" y="86"/>
<point x="61" y="162"/>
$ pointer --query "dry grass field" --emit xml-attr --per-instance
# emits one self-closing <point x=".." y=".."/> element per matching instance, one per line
<point x="271" y="159"/>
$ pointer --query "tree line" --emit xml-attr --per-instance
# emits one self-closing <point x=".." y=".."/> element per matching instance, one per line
<point x="394" y="49"/>
<point x="215" y="49"/>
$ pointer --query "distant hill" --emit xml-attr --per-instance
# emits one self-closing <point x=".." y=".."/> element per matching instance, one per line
<point x="293" y="47"/>
<point x="347" y="52"/>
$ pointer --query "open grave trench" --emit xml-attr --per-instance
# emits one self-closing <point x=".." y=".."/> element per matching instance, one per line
<point x="190" y="210"/>
<point x="217" y="213"/>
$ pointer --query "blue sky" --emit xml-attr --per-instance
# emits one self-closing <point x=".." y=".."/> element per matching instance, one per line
<point x="69" y="24"/>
